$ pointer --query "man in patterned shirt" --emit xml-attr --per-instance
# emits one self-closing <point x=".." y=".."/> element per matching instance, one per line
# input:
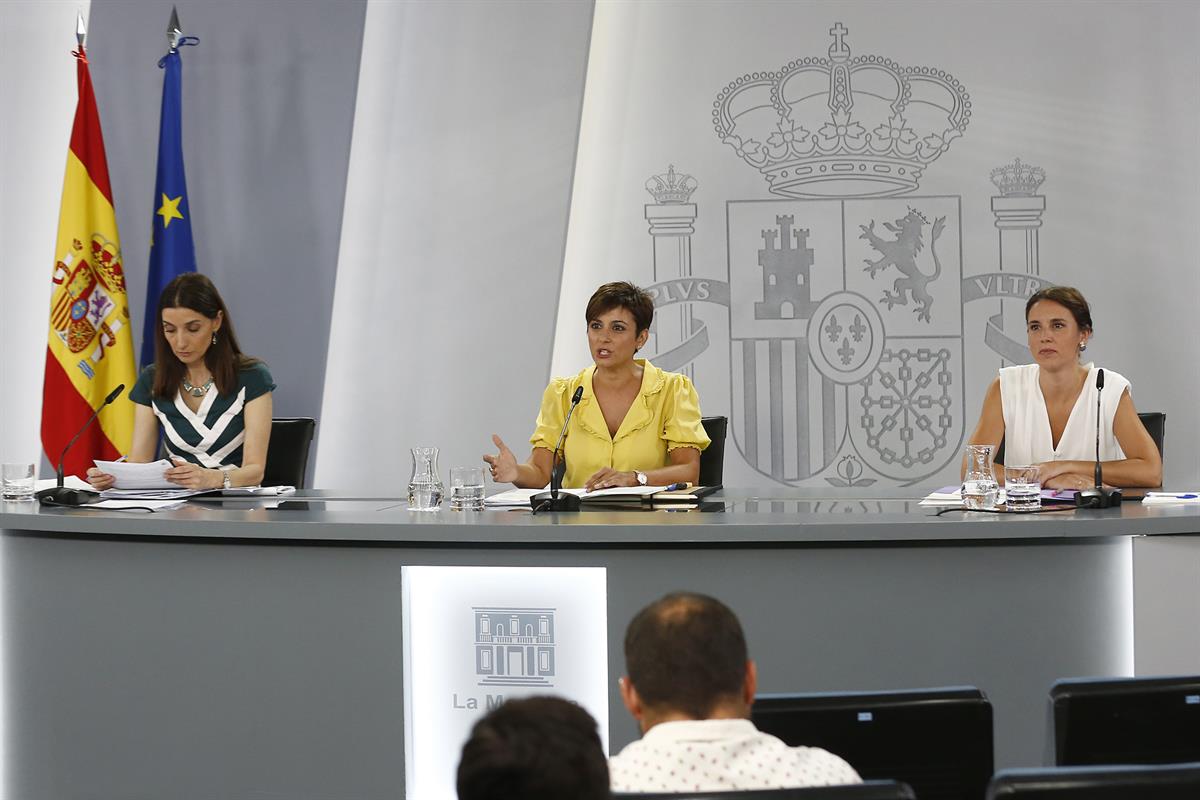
<point x="690" y="685"/>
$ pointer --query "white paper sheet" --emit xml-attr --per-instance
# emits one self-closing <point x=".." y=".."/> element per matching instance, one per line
<point x="138" y="476"/>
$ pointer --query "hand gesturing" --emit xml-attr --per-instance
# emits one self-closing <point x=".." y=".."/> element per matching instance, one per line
<point x="503" y="464"/>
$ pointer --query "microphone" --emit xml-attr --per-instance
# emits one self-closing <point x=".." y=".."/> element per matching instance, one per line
<point x="1098" y="497"/>
<point x="60" y="495"/>
<point x="552" y="500"/>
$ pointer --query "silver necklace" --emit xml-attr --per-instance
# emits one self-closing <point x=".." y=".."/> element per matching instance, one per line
<point x="197" y="391"/>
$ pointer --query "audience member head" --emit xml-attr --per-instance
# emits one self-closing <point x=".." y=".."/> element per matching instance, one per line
<point x="538" y="748"/>
<point x="685" y="656"/>
<point x="194" y="329"/>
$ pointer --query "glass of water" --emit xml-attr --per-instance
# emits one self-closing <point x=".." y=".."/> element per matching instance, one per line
<point x="466" y="488"/>
<point x="1022" y="488"/>
<point x="16" y="481"/>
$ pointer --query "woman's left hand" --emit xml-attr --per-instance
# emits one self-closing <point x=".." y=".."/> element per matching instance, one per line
<point x="1069" y="480"/>
<point x="608" y="477"/>
<point x="193" y="476"/>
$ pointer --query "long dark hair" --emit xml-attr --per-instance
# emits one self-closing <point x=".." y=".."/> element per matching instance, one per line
<point x="223" y="359"/>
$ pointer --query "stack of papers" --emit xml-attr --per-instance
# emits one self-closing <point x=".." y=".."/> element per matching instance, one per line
<point x="631" y="495"/>
<point x="136" y="505"/>
<point x="1171" y="498"/>
<point x="950" y="497"/>
<point x="137" y="476"/>
<point x="183" y="494"/>
<point x="519" y="498"/>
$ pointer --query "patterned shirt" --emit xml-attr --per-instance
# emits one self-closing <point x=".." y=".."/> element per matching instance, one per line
<point x="211" y="436"/>
<point x="718" y="755"/>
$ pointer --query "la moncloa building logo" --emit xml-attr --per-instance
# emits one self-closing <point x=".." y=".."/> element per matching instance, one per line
<point x="514" y="646"/>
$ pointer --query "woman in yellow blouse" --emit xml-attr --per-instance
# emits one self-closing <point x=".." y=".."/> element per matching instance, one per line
<point x="636" y="424"/>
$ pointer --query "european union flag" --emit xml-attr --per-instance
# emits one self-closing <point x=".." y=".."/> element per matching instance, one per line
<point x="172" y="251"/>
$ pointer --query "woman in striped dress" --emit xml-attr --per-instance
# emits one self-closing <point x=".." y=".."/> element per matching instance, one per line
<point x="211" y="401"/>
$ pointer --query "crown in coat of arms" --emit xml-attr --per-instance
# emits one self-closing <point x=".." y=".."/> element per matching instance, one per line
<point x="672" y="187"/>
<point x="1018" y="179"/>
<point x="841" y="126"/>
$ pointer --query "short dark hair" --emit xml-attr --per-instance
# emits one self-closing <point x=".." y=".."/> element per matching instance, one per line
<point x="537" y="748"/>
<point x="686" y="652"/>
<point x="1067" y="296"/>
<point x="622" y="294"/>
<point x="224" y="358"/>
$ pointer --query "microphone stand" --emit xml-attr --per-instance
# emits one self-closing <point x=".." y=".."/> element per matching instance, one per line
<point x="60" y="495"/>
<point x="554" y="500"/>
<point x="1098" y="497"/>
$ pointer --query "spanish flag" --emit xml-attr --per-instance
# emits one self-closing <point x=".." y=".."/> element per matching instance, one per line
<point x="90" y="343"/>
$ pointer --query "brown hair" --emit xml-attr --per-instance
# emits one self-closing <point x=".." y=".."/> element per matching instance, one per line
<point x="686" y="652"/>
<point x="223" y="359"/>
<point x="622" y="294"/>
<point x="1068" y="297"/>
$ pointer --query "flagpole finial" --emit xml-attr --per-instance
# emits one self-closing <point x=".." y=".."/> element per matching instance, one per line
<point x="174" y="32"/>
<point x="80" y="28"/>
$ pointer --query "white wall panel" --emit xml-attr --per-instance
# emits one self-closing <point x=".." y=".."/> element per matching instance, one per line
<point x="452" y="239"/>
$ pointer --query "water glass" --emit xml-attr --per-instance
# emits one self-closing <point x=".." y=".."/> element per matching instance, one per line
<point x="466" y="488"/>
<point x="16" y="481"/>
<point x="1022" y="488"/>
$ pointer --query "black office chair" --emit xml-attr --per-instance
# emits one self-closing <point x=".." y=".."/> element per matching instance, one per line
<point x="712" y="459"/>
<point x="1126" y="721"/>
<point x="287" y="452"/>
<point x="870" y="790"/>
<point x="1156" y="426"/>
<point x="938" y="741"/>
<point x="1172" y="782"/>
<point x="1154" y="421"/>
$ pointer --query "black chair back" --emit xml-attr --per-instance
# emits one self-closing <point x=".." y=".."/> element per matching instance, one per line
<point x="1156" y="426"/>
<point x="1173" y="782"/>
<point x="1154" y="421"/>
<point x="938" y="741"/>
<point x="287" y="452"/>
<point x="712" y="459"/>
<point x="870" y="790"/>
<point x="1126" y="721"/>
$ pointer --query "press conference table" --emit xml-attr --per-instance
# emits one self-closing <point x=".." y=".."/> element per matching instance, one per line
<point x="230" y="649"/>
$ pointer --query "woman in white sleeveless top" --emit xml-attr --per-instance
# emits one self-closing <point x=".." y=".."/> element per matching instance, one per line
<point x="1045" y="412"/>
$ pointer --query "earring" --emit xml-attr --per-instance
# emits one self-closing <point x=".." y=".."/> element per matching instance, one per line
<point x="1082" y="346"/>
<point x="214" y="341"/>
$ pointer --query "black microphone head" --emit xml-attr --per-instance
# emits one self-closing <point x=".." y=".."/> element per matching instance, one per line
<point x="1099" y="379"/>
<point x="575" y="398"/>
<point x="114" y="394"/>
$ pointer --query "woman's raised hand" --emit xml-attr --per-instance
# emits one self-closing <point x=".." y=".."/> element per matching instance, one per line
<point x="503" y="464"/>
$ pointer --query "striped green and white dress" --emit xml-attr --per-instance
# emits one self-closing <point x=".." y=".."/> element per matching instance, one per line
<point x="211" y="436"/>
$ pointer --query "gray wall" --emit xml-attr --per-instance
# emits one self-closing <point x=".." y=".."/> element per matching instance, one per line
<point x="268" y="107"/>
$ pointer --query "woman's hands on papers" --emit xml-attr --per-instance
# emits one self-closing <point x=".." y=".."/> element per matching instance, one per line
<point x="100" y="480"/>
<point x="608" y="478"/>
<point x="193" y="476"/>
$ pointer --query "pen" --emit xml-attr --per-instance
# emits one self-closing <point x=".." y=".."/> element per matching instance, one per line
<point x="675" y="486"/>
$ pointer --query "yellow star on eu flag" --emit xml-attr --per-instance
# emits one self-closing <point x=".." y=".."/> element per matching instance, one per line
<point x="169" y="209"/>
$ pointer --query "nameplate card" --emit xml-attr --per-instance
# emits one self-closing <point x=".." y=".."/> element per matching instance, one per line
<point x="476" y="636"/>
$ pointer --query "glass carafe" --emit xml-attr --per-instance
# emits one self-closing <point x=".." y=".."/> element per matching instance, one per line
<point x="979" y="487"/>
<point x="425" y="487"/>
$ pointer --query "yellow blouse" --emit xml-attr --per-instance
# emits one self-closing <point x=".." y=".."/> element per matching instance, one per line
<point x="665" y="415"/>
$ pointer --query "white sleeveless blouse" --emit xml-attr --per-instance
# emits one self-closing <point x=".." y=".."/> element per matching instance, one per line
<point x="1027" y="438"/>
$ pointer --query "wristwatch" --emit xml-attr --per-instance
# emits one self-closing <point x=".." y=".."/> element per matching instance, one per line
<point x="641" y="477"/>
<point x="226" y="479"/>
